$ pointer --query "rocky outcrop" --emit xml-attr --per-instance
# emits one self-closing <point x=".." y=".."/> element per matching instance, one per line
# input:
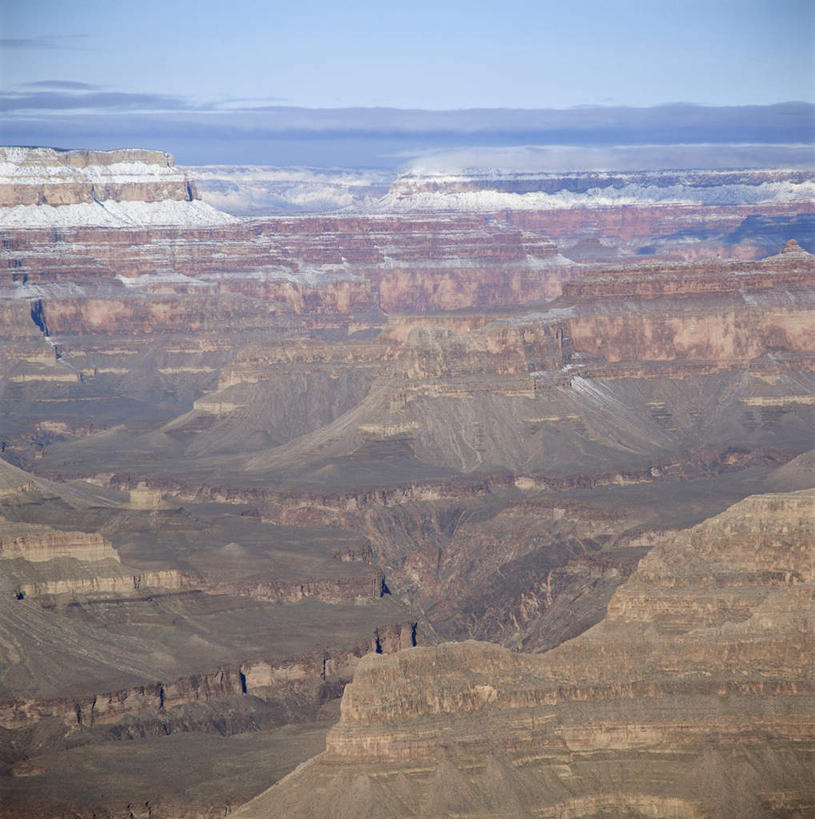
<point x="263" y="679"/>
<point x="39" y="560"/>
<point x="43" y="176"/>
<point x="694" y="697"/>
<point x="105" y="579"/>
<point x="359" y="587"/>
<point x="41" y="543"/>
<point x="44" y="186"/>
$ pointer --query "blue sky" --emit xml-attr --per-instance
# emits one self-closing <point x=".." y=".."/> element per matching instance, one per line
<point x="368" y="83"/>
<point x="445" y="54"/>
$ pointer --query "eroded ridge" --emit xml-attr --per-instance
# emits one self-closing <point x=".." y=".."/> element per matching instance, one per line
<point x="694" y="697"/>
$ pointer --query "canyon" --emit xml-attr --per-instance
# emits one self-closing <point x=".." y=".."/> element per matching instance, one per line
<point x="692" y="697"/>
<point x="536" y="479"/>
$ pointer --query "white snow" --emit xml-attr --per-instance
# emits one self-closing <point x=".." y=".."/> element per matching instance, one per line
<point x="265" y="190"/>
<point x="114" y="214"/>
<point x="121" y="172"/>
<point x="550" y="262"/>
<point x="598" y="393"/>
<point x="50" y="290"/>
<point x="313" y="275"/>
<point x="149" y="279"/>
<point x="37" y="166"/>
<point x="46" y="166"/>
<point x="541" y="317"/>
<point x="632" y="194"/>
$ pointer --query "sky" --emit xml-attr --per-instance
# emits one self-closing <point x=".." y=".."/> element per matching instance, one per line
<point x="437" y="55"/>
<point x="104" y="69"/>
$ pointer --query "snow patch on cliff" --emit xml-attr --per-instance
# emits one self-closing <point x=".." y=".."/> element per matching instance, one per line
<point x="310" y="275"/>
<point x="401" y="200"/>
<point x="117" y="173"/>
<point x="114" y="214"/>
<point x="151" y="279"/>
<point x="46" y="290"/>
<point x="552" y="315"/>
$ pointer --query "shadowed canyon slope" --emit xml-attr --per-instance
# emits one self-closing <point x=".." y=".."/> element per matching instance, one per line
<point x="238" y="457"/>
<point x="693" y="697"/>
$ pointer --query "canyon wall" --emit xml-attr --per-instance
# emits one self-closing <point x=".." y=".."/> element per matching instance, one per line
<point x="694" y="697"/>
<point x="259" y="450"/>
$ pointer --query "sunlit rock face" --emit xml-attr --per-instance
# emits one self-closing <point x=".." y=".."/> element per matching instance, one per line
<point x="693" y="697"/>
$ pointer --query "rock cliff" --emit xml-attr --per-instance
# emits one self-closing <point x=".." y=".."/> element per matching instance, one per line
<point x="44" y="186"/>
<point x="694" y="697"/>
<point x="41" y="543"/>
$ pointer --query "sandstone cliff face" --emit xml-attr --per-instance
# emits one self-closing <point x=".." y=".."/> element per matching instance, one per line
<point x="41" y="543"/>
<point x="694" y="697"/>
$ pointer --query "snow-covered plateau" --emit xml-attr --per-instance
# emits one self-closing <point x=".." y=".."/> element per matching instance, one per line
<point x="44" y="187"/>
<point x="257" y="191"/>
<point x="114" y="214"/>
<point x="32" y="166"/>
<point x="246" y="190"/>
<point x="446" y="194"/>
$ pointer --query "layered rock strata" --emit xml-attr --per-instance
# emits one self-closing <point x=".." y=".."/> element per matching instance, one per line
<point x="102" y="318"/>
<point x="44" y="176"/>
<point x="694" y="697"/>
<point x="158" y="622"/>
<point x="44" y="186"/>
<point x="352" y="434"/>
<point x="37" y="544"/>
<point x="427" y="437"/>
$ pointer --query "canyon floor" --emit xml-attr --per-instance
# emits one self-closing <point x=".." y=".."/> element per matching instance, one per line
<point x="536" y="480"/>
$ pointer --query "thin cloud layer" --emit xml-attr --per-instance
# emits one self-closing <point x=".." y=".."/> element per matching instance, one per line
<point x="93" y="102"/>
<point x="786" y="122"/>
<point x="60" y="41"/>
<point x="68" y="113"/>
<point x="61" y="85"/>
